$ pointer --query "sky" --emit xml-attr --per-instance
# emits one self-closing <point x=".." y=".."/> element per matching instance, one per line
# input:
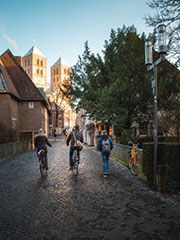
<point x="60" y="28"/>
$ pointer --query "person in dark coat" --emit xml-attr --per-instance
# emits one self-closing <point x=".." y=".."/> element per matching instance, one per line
<point x="105" y="154"/>
<point x="40" y="143"/>
<point x="71" y="139"/>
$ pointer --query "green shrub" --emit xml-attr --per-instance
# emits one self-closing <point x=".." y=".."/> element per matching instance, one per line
<point x="167" y="154"/>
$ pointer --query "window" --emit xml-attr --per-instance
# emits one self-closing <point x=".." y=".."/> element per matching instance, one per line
<point x="57" y="79"/>
<point x="54" y="79"/>
<point x="37" y="71"/>
<point x="28" y="62"/>
<point x="38" y="61"/>
<point x="41" y="62"/>
<point x="41" y="72"/>
<point x="25" y="62"/>
<point x="65" y="71"/>
<point x="31" y="104"/>
<point x="56" y="70"/>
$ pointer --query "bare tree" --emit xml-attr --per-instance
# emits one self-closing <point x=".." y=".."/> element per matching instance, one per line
<point x="167" y="12"/>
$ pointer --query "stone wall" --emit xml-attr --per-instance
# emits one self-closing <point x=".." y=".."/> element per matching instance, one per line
<point x="9" y="150"/>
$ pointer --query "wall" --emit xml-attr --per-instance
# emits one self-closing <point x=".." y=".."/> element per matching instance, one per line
<point x="31" y="119"/>
<point x="9" y="150"/>
<point x="5" y="113"/>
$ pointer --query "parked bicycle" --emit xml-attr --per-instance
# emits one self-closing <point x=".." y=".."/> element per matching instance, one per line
<point x="42" y="163"/>
<point x="133" y="161"/>
<point x="75" y="162"/>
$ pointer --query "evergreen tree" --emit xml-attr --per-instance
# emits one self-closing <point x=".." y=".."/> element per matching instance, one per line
<point x="116" y="89"/>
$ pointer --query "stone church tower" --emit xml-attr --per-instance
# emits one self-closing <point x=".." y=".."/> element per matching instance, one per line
<point x="60" y="72"/>
<point x="35" y="65"/>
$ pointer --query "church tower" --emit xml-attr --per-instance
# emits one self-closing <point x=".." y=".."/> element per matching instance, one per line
<point x="60" y="73"/>
<point x="35" y="65"/>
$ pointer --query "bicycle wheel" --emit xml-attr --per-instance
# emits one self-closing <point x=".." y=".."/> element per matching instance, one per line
<point x="42" y="167"/>
<point x="133" y="166"/>
<point x="75" y="163"/>
<point x="76" y="169"/>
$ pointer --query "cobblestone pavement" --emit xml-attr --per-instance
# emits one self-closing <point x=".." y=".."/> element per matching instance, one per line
<point x="89" y="207"/>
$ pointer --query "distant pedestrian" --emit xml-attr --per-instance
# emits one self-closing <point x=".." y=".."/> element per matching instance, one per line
<point x="54" y="133"/>
<point x="105" y="145"/>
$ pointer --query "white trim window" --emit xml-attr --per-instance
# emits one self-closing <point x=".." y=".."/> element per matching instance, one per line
<point x="31" y="104"/>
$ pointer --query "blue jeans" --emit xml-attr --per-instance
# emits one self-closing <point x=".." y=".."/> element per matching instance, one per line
<point x="105" y="159"/>
<point x="71" y="156"/>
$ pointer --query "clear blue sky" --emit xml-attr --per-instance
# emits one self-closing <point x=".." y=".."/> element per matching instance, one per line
<point x="64" y="25"/>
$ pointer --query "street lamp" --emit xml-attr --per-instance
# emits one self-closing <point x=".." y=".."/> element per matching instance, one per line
<point x="150" y="65"/>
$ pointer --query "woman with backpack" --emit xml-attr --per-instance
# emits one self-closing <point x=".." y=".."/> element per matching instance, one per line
<point x="105" y="145"/>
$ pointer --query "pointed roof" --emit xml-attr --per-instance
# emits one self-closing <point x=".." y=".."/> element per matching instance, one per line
<point x="60" y="61"/>
<point x="34" y="50"/>
<point x="18" y="82"/>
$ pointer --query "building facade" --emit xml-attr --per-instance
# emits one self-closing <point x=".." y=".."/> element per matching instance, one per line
<point x="60" y="73"/>
<point x="35" y="65"/>
<point x="23" y="108"/>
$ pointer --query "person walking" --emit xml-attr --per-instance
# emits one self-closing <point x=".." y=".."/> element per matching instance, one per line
<point x="78" y="135"/>
<point x="105" y="145"/>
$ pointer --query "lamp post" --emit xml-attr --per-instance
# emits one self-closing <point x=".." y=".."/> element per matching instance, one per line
<point x="150" y="65"/>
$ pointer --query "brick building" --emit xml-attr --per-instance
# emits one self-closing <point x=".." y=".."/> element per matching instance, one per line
<point x="22" y="106"/>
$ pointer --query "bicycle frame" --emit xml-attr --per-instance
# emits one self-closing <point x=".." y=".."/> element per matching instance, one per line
<point x="75" y="162"/>
<point x="41" y="155"/>
<point x="133" y="161"/>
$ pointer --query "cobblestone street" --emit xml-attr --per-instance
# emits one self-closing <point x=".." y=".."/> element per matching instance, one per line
<point x="89" y="206"/>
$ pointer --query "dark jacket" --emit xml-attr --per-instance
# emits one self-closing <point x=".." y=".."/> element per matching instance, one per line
<point x="41" y="141"/>
<point x="105" y="136"/>
<point x="78" y="136"/>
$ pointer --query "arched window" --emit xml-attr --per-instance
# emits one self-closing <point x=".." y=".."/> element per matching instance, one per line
<point x="41" y="72"/>
<point x="25" y="62"/>
<point x="38" y="61"/>
<point x="41" y="62"/>
<point x="57" y="79"/>
<point x="37" y="71"/>
<point x="28" y="62"/>
<point x="56" y="70"/>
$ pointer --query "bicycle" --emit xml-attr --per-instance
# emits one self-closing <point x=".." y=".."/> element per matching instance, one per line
<point x="133" y="161"/>
<point x="42" y="164"/>
<point x="75" y="162"/>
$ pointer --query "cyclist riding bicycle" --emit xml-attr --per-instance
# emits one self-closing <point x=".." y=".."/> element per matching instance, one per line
<point x="65" y="133"/>
<point x="78" y="136"/>
<point x="40" y="143"/>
